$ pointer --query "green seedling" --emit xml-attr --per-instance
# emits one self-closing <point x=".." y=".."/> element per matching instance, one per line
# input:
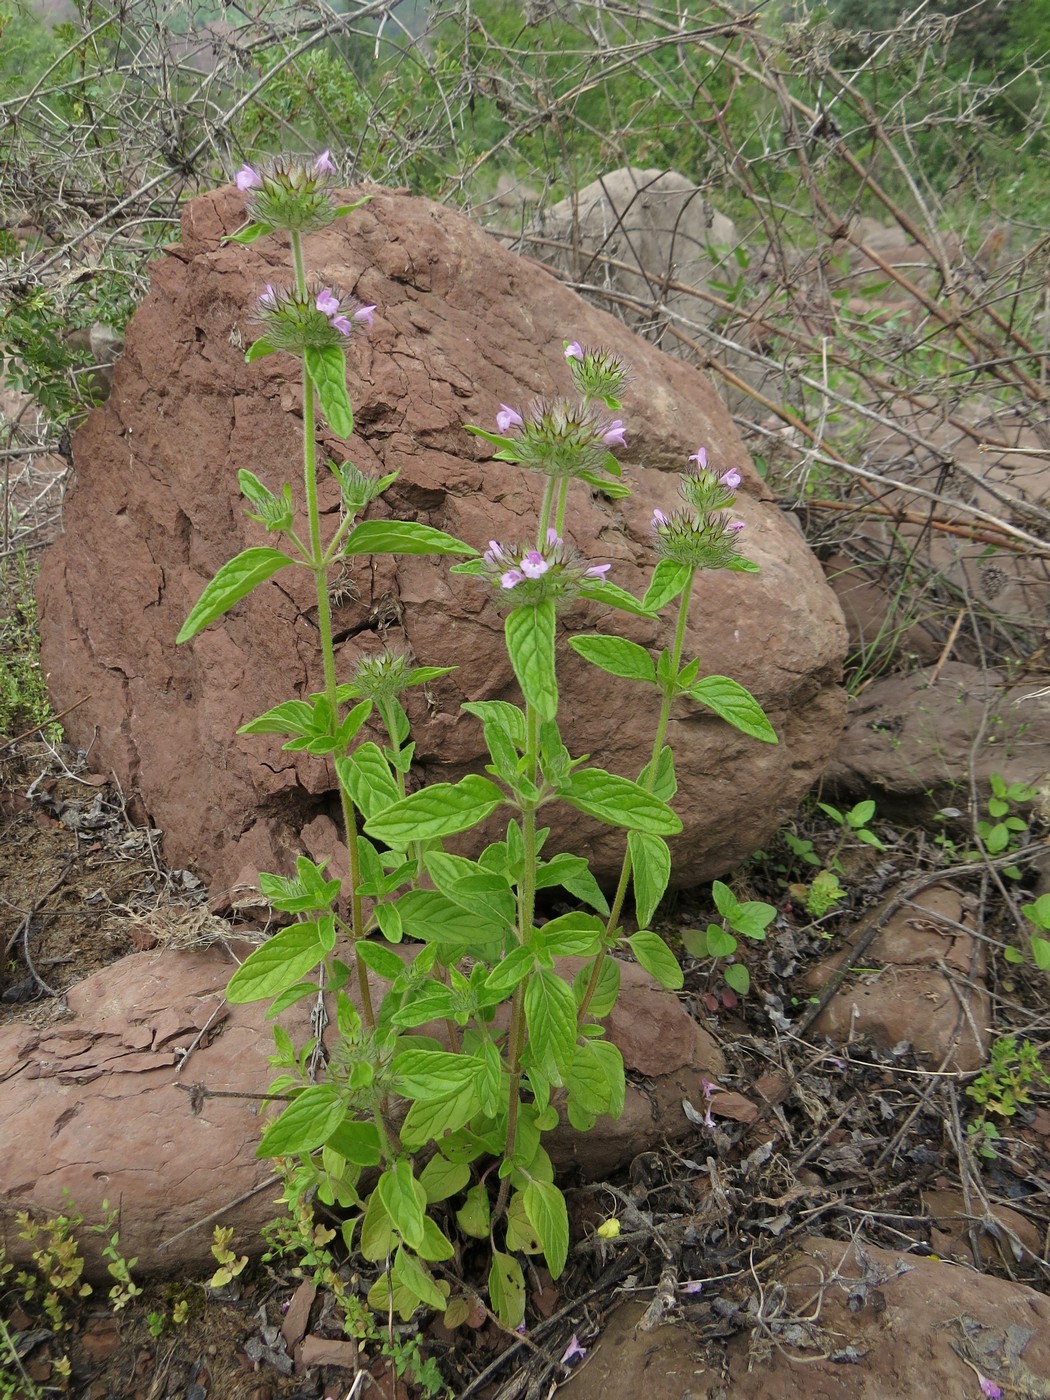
<point x="1037" y="914"/>
<point x="1002" y="832"/>
<point x="852" y="823"/>
<point x="749" y="918"/>
<point x="1003" y="1087"/>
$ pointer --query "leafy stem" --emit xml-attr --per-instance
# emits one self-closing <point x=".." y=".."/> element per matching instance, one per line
<point x="649" y="782"/>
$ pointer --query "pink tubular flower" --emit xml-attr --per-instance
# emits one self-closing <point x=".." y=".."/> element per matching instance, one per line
<point x="327" y="302"/>
<point x="700" y="458"/>
<point x="365" y="315"/>
<point x="735" y="526"/>
<point x="613" y="435"/>
<point x="508" y="418"/>
<point x="989" y="1388"/>
<point x="659" y="519"/>
<point x="573" y="1350"/>
<point x="574" y="351"/>
<point x="597" y="571"/>
<point x="730" y="479"/>
<point x="323" y="164"/>
<point x="247" y="178"/>
<point x="534" y="565"/>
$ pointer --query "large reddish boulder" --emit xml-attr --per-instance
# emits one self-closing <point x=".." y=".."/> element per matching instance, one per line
<point x="461" y="325"/>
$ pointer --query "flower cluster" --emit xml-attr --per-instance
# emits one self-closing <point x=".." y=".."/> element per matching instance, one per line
<point x="561" y="438"/>
<point x="597" y="374"/>
<point x="703" y="537"/>
<point x="317" y="320"/>
<point x="289" y="193"/>
<point x="534" y="575"/>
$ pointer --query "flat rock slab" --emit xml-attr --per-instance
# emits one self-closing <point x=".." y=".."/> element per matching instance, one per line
<point x="885" y="1326"/>
<point x="98" y="1108"/>
<point x="462" y="325"/>
<point x="929" y="990"/>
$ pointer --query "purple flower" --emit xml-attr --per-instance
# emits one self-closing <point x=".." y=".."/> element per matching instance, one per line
<point x="597" y="571"/>
<point x="659" y="519"/>
<point x="247" y="178"/>
<point x="511" y="578"/>
<point x="508" y="418"/>
<point x="700" y="458"/>
<point x="365" y="315"/>
<point x="553" y="538"/>
<point x="735" y="526"/>
<point x="989" y="1388"/>
<point x="573" y="1350"/>
<point x="327" y="302"/>
<point x="268" y="300"/>
<point x="534" y="565"/>
<point x="323" y="164"/>
<point x="494" y="555"/>
<point x="730" y="479"/>
<point x="613" y="434"/>
<point x="574" y="351"/>
<point x="693" y="1286"/>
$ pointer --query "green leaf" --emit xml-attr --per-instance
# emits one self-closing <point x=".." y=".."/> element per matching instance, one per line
<point x="436" y="1246"/>
<point x="306" y="1123"/>
<point x="507" y="1289"/>
<point x="611" y="1060"/>
<point x="415" y="1280"/>
<point x="613" y="597"/>
<point x="258" y="350"/>
<point x="382" y="960"/>
<point x="738" y="977"/>
<point x="664" y="785"/>
<point x="326" y="367"/>
<point x="403" y="537"/>
<point x="720" y="944"/>
<point x="530" y="644"/>
<point x="520" y="1234"/>
<point x="248" y="234"/>
<point x="427" y="1073"/>
<point x="619" y="802"/>
<point x="550" y="1014"/>
<point x="441" y="1179"/>
<point x="861" y="814"/>
<point x="667" y="582"/>
<point x="357" y="1142"/>
<point x="377" y="1232"/>
<point x="439" y="810"/>
<point x="545" y="1207"/>
<point x="233" y="581"/>
<point x="404" y="1201"/>
<point x="735" y="705"/>
<point x="572" y="873"/>
<point x="474" y="1214"/>
<point x="430" y="916"/>
<point x="434" y="1119"/>
<point x="277" y="964"/>
<point x="587" y="1082"/>
<point x="657" y="959"/>
<point x="366" y="776"/>
<point x="615" y="655"/>
<point x="574" y="935"/>
<point x="431" y="1002"/>
<point x="514" y="968"/>
<point x="1041" y="953"/>
<point x="605" y="993"/>
<point x="1038" y="913"/>
<point x="650" y="872"/>
<point x="293" y="717"/>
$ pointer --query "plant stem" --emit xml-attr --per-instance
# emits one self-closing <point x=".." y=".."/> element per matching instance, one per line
<point x="526" y="915"/>
<point x="319" y="566"/>
<point x="648" y="784"/>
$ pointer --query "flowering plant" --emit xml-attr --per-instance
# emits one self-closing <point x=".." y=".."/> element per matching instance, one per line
<point x="521" y="1045"/>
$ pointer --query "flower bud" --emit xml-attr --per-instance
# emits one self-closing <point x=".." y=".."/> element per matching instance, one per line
<point x="289" y="193"/>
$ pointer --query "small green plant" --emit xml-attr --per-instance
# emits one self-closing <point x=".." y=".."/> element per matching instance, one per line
<point x="1002" y="832"/>
<point x="750" y="918"/>
<point x="852" y="823"/>
<point x="1039" y="915"/>
<point x="823" y="894"/>
<point x="300" y="1241"/>
<point x="124" y="1288"/>
<point x="1003" y="1087"/>
<point x="59" y="1265"/>
<point x="24" y="701"/>
<point x="230" y="1267"/>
